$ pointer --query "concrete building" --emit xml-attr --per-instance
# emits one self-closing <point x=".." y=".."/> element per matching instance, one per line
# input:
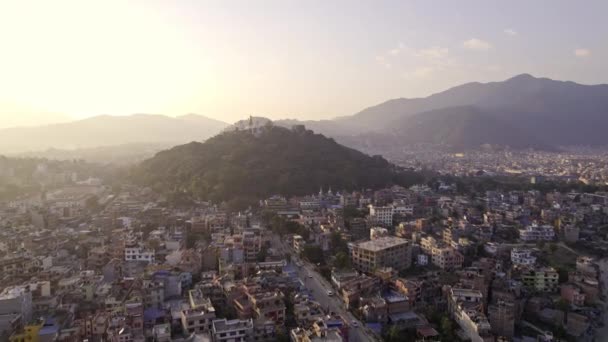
<point x="446" y="258"/>
<point x="542" y="280"/>
<point x="235" y="330"/>
<point x="386" y="251"/>
<point x="572" y="294"/>
<point x="381" y="215"/>
<point x="377" y="232"/>
<point x="501" y="316"/>
<point x="139" y="254"/>
<point x="198" y="319"/>
<point x="466" y="308"/>
<point x="537" y="233"/>
<point x="15" y="307"/>
<point x="522" y="257"/>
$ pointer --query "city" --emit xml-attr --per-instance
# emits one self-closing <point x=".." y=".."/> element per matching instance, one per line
<point x="303" y="171"/>
<point x="90" y="262"/>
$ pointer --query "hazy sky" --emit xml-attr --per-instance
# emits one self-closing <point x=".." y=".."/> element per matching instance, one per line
<point x="280" y="59"/>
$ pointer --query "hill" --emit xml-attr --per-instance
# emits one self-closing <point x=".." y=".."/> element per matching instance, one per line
<point x="106" y="130"/>
<point x="533" y="112"/>
<point x="275" y="160"/>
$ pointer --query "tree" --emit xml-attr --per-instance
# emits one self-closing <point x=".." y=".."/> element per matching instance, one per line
<point x="337" y="243"/>
<point x="261" y="257"/>
<point x="564" y="306"/>
<point x="395" y="333"/>
<point x="313" y="253"/>
<point x="342" y="260"/>
<point x="446" y="328"/>
<point x="553" y="248"/>
<point x="282" y="336"/>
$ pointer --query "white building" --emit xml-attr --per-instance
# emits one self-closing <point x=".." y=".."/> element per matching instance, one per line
<point x="466" y="308"/>
<point x="198" y="319"/>
<point x="403" y="210"/>
<point x="233" y="330"/>
<point x="522" y="256"/>
<point x="381" y="215"/>
<point x="422" y="260"/>
<point x="15" y="305"/>
<point x="535" y="233"/>
<point x="377" y="232"/>
<point x="491" y="248"/>
<point x="139" y="254"/>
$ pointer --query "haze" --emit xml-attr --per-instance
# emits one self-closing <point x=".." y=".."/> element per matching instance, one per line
<point x="226" y="60"/>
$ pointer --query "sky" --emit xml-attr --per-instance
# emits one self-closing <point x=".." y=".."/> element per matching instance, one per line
<point x="314" y="59"/>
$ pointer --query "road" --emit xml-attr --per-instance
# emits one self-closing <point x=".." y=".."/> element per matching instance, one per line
<point x="602" y="333"/>
<point x="319" y="287"/>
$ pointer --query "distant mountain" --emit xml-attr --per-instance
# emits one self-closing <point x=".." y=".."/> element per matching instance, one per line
<point x="522" y="111"/>
<point x="463" y="127"/>
<point x="106" y="130"/>
<point x="125" y="154"/>
<point x="269" y="160"/>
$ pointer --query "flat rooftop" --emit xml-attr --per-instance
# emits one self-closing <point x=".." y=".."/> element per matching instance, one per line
<point x="223" y="324"/>
<point x="381" y="243"/>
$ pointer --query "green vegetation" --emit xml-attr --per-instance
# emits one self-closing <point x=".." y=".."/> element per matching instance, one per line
<point x="278" y="160"/>
<point x="313" y="253"/>
<point x="394" y="333"/>
<point x="559" y="257"/>
<point x="281" y="226"/>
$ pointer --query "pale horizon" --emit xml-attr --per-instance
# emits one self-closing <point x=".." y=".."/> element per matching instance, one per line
<point x="67" y="60"/>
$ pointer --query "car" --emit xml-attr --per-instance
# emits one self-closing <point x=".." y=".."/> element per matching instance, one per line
<point x="330" y="293"/>
<point x="355" y="324"/>
<point x="310" y="276"/>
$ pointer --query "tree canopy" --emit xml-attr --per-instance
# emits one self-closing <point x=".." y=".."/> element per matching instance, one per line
<point x="277" y="160"/>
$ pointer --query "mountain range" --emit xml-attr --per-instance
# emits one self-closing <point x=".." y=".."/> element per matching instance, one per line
<point x="108" y="131"/>
<point x="520" y="112"/>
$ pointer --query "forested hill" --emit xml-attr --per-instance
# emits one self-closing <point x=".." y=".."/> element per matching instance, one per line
<point x="274" y="160"/>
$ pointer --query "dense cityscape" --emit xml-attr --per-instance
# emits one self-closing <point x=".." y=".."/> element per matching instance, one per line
<point x="303" y="171"/>
<point x="84" y="259"/>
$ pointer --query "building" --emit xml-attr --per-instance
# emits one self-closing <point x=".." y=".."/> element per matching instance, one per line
<point x="30" y="333"/>
<point x="198" y="319"/>
<point x="501" y="316"/>
<point x="298" y="243"/>
<point x="139" y="254"/>
<point x="235" y="330"/>
<point x="387" y="251"/>
<point x="537" y="233"/>
<point x="381" y="215"/>
<point x="466" y="308"/>
<point x="571" y="233"/>
<point x="542" y="280"/>
<point x="522" y="256"/>
<point x="268" y="306"/>
<point x="162" y="332"/>
<point x="377" y="232"/>
<point x="446" y="258"/>
<point x="572" y="294"/>
<point x="422" y="260"/>
<point x="15" y="307"/>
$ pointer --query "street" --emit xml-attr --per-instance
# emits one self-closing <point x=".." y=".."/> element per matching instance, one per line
<point x="319" y="287"/>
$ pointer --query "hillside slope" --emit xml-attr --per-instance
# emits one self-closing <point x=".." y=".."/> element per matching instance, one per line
<point x="277" y="160"/>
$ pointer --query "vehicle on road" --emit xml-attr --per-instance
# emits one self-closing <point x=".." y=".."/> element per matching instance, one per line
<point x="330" y="293"/>
<point x="310" y="276"/>
<point x="355" y="324"/>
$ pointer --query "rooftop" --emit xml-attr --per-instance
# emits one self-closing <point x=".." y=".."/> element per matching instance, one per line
<point x="224" y="324"/>
<point x="382" y="243"/>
